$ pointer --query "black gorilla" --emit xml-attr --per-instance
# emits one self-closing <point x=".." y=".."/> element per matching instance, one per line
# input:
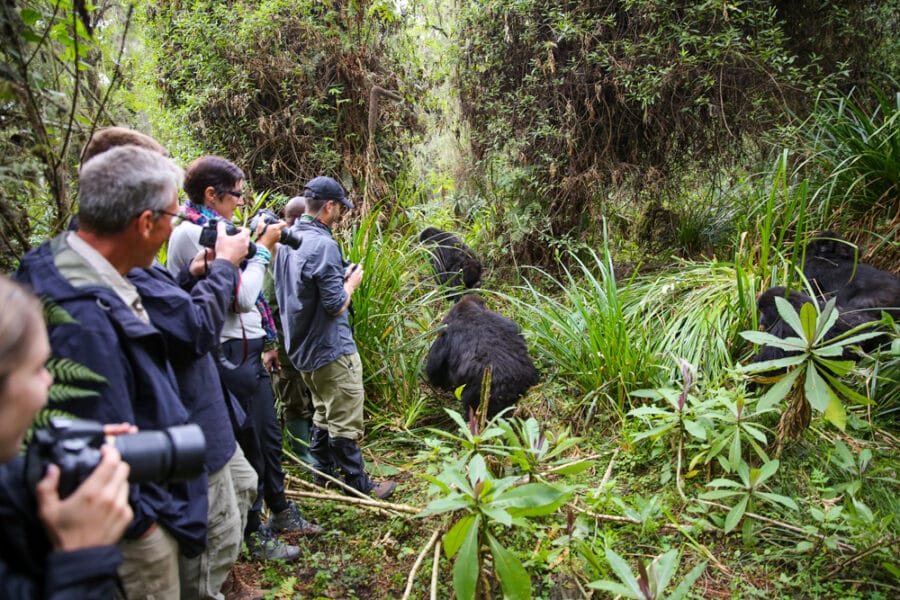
<point x="476" y="338"/>
<point x="772" y="322"/>
<point x="454" y="263"/>
<point x="832" y="271"/>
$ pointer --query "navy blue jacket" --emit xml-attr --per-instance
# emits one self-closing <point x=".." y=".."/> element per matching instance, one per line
<point x="191" y="324"/>
<point x="309" y="285"/>
<point x="28" y="566"/>
<point x="140" y="387"/>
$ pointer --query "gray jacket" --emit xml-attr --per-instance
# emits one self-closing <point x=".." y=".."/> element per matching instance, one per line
<point x="309" y="285"/>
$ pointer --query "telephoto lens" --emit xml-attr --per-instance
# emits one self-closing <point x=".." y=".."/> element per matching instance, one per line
<point x="174" y="454"/>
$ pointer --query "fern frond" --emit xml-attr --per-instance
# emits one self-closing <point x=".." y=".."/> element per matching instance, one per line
<point x="54" y="314"/>
<point x="60" y="392"/>
<point x="66" y="370"/>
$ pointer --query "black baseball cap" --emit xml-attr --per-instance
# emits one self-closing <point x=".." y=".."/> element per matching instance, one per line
<point x="326" y="188"/>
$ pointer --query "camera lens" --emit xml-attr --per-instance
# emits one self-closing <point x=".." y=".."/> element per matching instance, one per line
<point x="173" y="454"/>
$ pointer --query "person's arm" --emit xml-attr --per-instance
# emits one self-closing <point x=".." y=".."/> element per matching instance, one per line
<point x="328" y="273"/>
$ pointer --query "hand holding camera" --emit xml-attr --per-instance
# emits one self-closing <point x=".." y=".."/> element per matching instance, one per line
<point x="270" y="229"/>
<point x="95" y="514"/>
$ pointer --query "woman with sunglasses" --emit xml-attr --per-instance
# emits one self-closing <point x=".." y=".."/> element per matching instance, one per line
<point x="215" y="190"/>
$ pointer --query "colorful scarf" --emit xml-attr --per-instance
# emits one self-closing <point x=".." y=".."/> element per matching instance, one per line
<point x="201" y="215"/>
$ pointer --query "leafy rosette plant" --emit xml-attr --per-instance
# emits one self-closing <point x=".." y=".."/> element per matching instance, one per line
<point x="651" y="581"/>
<point x="480" y="504"/>
<point x="814" y="369"/>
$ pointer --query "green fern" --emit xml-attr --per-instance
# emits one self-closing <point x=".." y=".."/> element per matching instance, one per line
<point x="54" y="314"/>
<point x="66" y="370"/>
<point x="60" y="392"/>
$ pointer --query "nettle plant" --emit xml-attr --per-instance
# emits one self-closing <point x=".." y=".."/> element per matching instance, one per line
<point x="814" y="367"/>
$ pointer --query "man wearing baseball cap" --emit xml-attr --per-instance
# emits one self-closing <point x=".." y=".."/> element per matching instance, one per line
<point x="314" y="285"/>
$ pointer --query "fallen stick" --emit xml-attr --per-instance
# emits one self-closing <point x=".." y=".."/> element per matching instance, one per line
<point x="435" y="567"/>
<point x="367" y="502"/>
<point x="415" y="568"/>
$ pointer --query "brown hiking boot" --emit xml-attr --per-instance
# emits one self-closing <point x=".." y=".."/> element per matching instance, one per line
<point x="235" y="589"/>
<point x="383" y="489"/>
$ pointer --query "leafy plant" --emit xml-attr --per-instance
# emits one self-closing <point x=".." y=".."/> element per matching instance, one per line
<point x="537" y="453"/>
<point x="733" y="425"/>
<point x="686" y="417"/>
<point x="814" y="368"/>
<point x="651" y="580"/>
<point x="748" y="491"/>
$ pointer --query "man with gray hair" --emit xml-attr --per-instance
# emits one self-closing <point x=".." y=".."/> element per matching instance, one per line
<point x="128" y="197"/>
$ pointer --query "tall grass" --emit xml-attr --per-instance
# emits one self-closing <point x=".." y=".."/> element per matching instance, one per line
<point x="393" y="312"/>
<point x="581" y="329"/>
<point x="858" y="149"/>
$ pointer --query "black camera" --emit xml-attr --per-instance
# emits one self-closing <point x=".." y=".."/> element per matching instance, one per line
<point x="173" y="454"/>
<point x="270" y="218"/>
<point x="209" y="234"/>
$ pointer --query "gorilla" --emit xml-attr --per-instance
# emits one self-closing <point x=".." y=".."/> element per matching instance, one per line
<point x="772" y="322"/>
<point x="454" y="263"/>
<point x="832" y="270"/>
<point x="475" y="338"/>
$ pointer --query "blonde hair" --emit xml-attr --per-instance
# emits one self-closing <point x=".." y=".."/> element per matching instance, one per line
<point x="20" y="321"/>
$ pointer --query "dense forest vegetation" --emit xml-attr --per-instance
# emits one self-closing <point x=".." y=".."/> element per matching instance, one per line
<point x="632" y="174"/>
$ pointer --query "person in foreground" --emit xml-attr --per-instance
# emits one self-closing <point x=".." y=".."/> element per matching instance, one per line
<point x="50" y="548"/>
<point x="313" y="287"/>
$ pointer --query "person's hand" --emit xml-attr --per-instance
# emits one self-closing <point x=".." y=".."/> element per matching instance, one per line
<point x="271" y="235"/>
<point x="232" y="248"/>
<point x="270" y="360"/>
<point x="352" y="278"/>
<point x="200" y="261"/>
<point x="95" y="514"/>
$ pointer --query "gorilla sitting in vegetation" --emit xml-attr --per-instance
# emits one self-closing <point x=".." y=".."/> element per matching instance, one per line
<point x="772" y="323"/>
<point x="475" y="338"/>
<point x="832" y="270"/>
<point x="454" y="263"/>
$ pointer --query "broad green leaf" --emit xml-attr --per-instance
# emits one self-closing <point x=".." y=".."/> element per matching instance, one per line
<point x="465" y="571"/>
<point x="513" y="578"/>
<point x="835" y="413"/>
<point x="827" y="320"/>
<point x="839" y="367"/>
<point x="734" y="452"/>
<point x="778" y="391"/>
<point x="754" y="432"/>
<point x="808" y="317"/>
<point x="767" y="470"/>
<point x="533" y="499"/>
<point x="771" y="365"/>
<point x="446" y="504"/>
<point x="790" y="316"/>
<point x="846" y="392"/>
<point x="816" y="390"/>
<point x="454" y="538"/>
<point x="496" y="514"/>
<point x="723" y="483"/>
<point x="778" y="499"/>
<point x="767" y="339"/>
<point x="661" y="570"/>
<point x="573" y="468"/>
<point x="695" y="429"/>
<point x="623" y="572"/>
<point x="687" y="583"/>
<point x="617" y="589"/>
<point x="736" y="514"/>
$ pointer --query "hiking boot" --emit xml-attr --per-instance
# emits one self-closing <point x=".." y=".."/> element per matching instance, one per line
<point x="383" y="489"/>
<point x="290" y="519"/>
<point x="265" y="546"/>
<point x="235" y="589"/>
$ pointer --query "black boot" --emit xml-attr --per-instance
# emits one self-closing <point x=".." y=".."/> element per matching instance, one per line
<point x="349" y="459"/>
<point x="320" y="450"/>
